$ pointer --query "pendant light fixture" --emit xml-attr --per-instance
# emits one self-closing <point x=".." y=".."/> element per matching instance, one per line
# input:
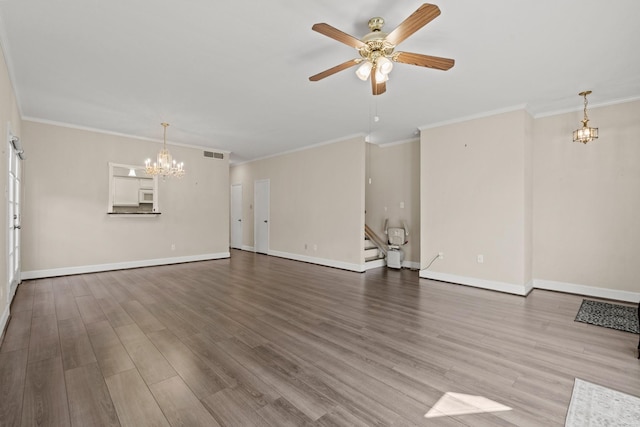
<point x="165" y="165"/>
<point x="586" y="133"/>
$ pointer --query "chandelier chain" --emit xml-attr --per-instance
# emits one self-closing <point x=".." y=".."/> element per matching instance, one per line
<point x="586" y="118"/>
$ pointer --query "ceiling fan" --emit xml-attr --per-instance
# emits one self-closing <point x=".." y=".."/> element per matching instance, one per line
<point x="376" y="49"/>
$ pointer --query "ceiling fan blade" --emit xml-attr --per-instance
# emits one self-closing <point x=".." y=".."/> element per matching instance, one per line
<point x="380" y="88"/>
<point x="424" y="60"/>
<point x="377" y="88"/>
<point x="326" y="73"/>
<point x="418" y="19"/>
<point x="338" y="35"/>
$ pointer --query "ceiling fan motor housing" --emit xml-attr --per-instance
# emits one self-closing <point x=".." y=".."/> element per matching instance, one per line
<point x="375" y="46"/>
<point x="376" y="23"/>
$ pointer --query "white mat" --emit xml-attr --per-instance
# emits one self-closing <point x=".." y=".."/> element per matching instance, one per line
<point x="594" y="405"/>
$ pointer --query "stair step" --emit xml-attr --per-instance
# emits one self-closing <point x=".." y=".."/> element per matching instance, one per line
<point x="368" y="244"/>
<point x="370" y="252"/>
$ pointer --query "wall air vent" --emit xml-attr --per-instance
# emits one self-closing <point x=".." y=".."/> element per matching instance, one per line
<point x="214" y="155"/>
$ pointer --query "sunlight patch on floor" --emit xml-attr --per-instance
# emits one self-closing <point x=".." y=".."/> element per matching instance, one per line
<point x="451" y="404"/>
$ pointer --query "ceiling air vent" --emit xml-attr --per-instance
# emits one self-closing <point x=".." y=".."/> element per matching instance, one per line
<point x="214" y="155"/>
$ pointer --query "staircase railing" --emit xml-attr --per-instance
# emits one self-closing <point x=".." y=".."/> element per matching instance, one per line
<point x="377" y="240"/>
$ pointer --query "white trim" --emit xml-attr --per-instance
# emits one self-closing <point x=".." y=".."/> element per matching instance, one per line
<point x="592" y="291"/>
<point x="482" y="115"/>
<point x="248" y="248"/>
<point x="119" y="134"/>
<point x="404" y="141"/>
<point x="13" y="289"/>
<point x="550" y="285"/>
<point x="368" y="265"/>
<point x="581" y="107"/>
<point x="307" y="147"/>
<point x="529" y="286"/>
<point x="320" y="261"/>
<point x="3" y="321"/>
<point x="66" y="271"/>
<point x="476" y="283"/>
<point x="383" y="263"/>
<point x="411" y="265"/>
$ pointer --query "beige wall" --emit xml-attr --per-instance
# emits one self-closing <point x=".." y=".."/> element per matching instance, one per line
<point x="474" y="189"/>
<point x="395" y="178"/>
<point x="9" y="120"/>
<point x="66" y="195"/>
<point x="317" y="200"/>
<point x="587" y="199"/>
<point x="542" y="210"/>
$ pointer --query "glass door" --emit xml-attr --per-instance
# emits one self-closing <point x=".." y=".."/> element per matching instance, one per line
<point x="14" y="183"/>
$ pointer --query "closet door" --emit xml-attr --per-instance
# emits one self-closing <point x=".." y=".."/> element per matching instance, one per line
<point x="261" y="217"/>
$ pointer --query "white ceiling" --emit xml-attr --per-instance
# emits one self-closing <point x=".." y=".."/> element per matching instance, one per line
<point x="233" y="75"/>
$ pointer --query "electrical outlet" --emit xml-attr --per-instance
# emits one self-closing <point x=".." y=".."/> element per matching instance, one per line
<point x="173" y="246"/>
<point x="480" y="259"/>
<point x="315" y="247"/>
<point x="440" y="255"/>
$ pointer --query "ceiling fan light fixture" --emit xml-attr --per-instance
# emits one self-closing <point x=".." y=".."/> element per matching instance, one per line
<point x="364" y="70"/>
<point x="384" y="65"/>
<point x="380" y="76"/>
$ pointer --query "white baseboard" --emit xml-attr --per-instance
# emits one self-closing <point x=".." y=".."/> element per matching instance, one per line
<point x="320" y="261"/>
<point x="66" y="271"/>
<point x="244" y="248"/>
<point x="12" y="290"/>
<point x="569" y="288"/>
<point x="477" y="283"/>
<point x="529" y="286"/>
<point x="572" y="288"/>
<point x="375" y="264"/>
<point x="3" y="321"/>
<point x="383" y="263"/>
<point x="411" y="265"/>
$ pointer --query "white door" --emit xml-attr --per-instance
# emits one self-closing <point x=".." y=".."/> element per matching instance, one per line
<point x="13" y="202"/>
<point x="236" y="216"/>
<point x="261" y="217"/>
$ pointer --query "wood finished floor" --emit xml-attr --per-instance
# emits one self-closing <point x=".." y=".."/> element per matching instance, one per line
<point x="258" y="340"/>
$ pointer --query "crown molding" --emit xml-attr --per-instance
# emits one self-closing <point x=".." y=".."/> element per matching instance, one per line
<point x="118" y="134"/>
<point x="519" y="107"/>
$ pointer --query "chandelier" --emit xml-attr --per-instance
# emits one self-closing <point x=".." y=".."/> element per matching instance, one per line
<point x="165" y="165"/>
<point x="585" y="134"/>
